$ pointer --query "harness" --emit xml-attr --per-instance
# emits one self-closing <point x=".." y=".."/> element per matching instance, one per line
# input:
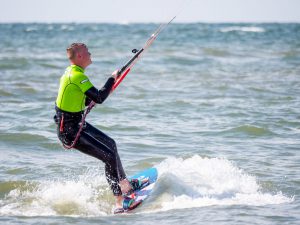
<point x="82" y="123"/>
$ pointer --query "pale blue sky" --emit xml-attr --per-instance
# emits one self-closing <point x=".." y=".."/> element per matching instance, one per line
<point x="127" y="11"/>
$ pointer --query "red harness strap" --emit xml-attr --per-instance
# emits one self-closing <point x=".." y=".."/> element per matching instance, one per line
<point x="61" y="127"/>
<point x="91" y="105"/>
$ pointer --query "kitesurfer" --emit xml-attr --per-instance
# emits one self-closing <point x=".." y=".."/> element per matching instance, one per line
<point x="75" y="92"/>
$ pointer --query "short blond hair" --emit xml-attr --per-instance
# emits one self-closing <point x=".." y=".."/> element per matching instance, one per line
<point x="73" y="49"/>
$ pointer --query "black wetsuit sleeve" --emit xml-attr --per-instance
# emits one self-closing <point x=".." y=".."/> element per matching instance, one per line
<point x="98" y="96"/>
<point x="88" y="101"/>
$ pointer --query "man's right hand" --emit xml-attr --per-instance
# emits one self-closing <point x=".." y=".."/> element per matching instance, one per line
<point x="115" y="74"/>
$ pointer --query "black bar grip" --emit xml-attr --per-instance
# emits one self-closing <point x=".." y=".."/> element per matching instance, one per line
<point x="130" y="61"/>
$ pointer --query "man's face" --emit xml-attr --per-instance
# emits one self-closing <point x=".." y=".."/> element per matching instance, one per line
<point x="84" y="56"/>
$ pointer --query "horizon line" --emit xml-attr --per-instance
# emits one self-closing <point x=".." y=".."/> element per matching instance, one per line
<point x="156" y="22"/>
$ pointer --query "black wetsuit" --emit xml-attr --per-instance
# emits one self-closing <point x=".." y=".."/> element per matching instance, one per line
<point x="92" y="141"/>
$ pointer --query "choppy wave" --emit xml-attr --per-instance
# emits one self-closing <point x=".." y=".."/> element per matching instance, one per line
<point x="249" y="130"/>
<point x="18" y="138"/>
<point x="243" y="29"/>
<point x="182" y="183"/>
<point x="67" y="27"/>
<point x="31" y="29"/>
<point x="197" y="85"/>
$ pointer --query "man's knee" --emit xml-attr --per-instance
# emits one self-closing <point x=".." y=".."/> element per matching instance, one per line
<point x="114" y="144"/>
<point x="111" y="158"/>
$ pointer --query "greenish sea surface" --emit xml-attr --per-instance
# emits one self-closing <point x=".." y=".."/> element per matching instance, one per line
<point x="214" y="107"/>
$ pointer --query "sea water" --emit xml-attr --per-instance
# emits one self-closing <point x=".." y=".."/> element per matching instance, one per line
<point x="214" y="107"/>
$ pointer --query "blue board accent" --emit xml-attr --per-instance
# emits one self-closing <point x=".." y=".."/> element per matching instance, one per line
<point x="150" y="173"/>
<point x="143" y="193"/>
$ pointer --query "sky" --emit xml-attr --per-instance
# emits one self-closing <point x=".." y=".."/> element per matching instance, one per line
<point x="148" y="11"/>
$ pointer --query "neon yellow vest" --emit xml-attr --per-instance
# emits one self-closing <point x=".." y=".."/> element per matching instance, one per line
<point x="73" y="84"/>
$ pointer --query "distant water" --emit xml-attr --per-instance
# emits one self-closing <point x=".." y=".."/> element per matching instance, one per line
<point x="214" y="107"/>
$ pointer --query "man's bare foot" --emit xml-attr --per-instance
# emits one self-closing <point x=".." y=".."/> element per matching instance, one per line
<point x="127" y="186"/>
<point x="125" y="204"/>
<point x="119" y="201"/>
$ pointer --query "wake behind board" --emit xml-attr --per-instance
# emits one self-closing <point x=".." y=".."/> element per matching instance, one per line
<point x="144" y="192"/>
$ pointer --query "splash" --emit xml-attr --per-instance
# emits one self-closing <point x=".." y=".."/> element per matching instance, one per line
<point x="88" y="195"/>
<point x="182" y="183"/>
<point x="199" y="182"/>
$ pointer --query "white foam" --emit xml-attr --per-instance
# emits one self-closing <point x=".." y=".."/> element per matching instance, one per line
<point x="182" y="183"/>
<point x="30" y="29"/>
<point x="243" y="29"/>
<point x="67" y="27"/>
<point x="87" y="196"/>
<point x="199" y="182"/>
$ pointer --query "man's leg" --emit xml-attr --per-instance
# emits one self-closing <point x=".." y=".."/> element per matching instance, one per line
<point x="110" y="143"/>
<point x="102" y="150"/>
